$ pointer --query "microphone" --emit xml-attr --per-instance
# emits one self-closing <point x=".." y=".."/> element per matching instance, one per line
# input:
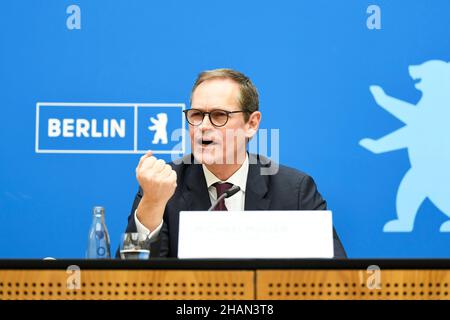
<point x="230" y="192"/>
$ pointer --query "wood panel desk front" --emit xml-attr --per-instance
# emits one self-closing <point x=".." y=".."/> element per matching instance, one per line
<point x="224" y="279"/>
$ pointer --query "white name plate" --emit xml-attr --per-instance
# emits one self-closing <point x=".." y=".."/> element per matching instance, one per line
<point x="255" y="234"/>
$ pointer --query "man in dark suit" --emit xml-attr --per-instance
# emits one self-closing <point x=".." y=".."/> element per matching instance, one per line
<point x="223" y="118"/>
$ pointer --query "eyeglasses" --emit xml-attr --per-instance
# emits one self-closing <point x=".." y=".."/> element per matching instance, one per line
<point x="218" y="118"/>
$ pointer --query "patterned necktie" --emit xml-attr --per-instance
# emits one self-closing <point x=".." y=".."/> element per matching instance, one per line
<point x="221" y="188"/>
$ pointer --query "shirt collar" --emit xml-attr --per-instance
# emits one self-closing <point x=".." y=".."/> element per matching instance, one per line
<point x="239" y="178"/>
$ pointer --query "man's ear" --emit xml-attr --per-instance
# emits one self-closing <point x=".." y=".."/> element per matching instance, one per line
<point x="252" y="124"/>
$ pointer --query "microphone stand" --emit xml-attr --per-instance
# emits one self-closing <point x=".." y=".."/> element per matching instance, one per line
<point x="233" y="190"/>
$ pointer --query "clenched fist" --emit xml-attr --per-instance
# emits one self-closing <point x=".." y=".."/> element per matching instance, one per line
<point x="158" y="181"/>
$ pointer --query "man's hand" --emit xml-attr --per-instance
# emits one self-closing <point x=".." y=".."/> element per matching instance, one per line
<point x="158" y="182"/>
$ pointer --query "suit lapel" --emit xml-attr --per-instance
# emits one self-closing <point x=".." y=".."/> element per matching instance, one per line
<point x="256" y="197"/>
<point x="196" y="192"/>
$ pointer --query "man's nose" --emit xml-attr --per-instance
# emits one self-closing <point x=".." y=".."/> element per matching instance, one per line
<point x="206" y="124"/>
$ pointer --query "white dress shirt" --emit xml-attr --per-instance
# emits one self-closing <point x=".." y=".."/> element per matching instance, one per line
<point x="234" y="203"/>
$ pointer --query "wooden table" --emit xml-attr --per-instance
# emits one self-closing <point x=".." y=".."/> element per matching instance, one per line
<point x="224" y="279"/>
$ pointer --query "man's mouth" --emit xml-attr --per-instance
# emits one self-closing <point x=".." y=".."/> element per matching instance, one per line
<point x="206" y="142"/>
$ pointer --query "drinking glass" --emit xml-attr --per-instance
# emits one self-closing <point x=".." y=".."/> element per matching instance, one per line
<point x="134" y="246"/>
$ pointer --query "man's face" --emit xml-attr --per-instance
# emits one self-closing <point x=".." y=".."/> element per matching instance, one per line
<point x="220" y="145"/>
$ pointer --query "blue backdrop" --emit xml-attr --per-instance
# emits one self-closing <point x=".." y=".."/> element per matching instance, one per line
<point x="312" y="61"/>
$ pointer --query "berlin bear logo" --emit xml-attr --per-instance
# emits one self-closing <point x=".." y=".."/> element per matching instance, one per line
<point x="426" y="135"/>
<point x="160" y="126"/>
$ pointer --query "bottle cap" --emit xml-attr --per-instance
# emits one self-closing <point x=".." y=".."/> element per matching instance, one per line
<point x="99" y="210"/>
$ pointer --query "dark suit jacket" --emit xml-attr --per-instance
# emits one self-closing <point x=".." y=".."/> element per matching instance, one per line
<point x="288" y="189"/>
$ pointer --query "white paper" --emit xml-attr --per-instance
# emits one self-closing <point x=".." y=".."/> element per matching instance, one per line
<point x="255" y="234"/>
